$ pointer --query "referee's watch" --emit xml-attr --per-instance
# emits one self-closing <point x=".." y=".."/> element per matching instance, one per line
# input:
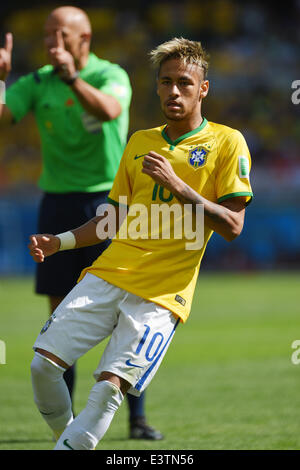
<point x="71" y="80"/>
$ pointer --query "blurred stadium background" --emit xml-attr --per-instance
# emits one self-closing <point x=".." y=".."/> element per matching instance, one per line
<point x="237" y="345"/>
<point x="254" y="48"/>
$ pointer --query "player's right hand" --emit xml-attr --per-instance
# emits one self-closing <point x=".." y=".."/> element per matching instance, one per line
<point x="5" y="56"/>
<point x="42" y="245"/>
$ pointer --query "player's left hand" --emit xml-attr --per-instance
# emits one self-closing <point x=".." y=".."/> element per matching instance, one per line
<point x="160" y="170"/>
<point x="61" y="59"/>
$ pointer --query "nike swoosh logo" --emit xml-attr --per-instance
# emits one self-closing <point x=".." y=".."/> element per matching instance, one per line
<point x="128" y="363"/>
<point x="139" y="156"/>
<point x="65" y="443"/>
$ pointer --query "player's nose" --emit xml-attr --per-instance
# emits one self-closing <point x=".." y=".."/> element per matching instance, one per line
<point x="174" y="90"/>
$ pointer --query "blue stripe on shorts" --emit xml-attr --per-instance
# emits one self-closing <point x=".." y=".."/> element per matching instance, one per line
<point x="140" y="383"/>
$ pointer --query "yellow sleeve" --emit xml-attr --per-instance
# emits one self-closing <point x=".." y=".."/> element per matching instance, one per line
<point x="121" y="191"/>
<point x="233" y="176"/>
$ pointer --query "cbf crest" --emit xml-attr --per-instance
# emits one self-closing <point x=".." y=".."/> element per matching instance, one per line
<point x="198" y="157"/>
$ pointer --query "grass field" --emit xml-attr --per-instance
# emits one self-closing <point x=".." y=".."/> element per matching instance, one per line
<point x="227" y="381"/>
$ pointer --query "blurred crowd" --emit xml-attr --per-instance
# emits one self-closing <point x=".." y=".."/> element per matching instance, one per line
<point x="254" y="50"/>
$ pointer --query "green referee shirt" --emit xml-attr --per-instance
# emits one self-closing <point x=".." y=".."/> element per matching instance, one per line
<point x="80" y="153"/>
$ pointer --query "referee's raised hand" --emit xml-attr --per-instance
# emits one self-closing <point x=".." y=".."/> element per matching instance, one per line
<point x="61" y="59"/>
<point x="5" y="56"/>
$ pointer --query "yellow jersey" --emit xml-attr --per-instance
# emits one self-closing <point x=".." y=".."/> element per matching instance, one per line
<point x="214" y="160"/>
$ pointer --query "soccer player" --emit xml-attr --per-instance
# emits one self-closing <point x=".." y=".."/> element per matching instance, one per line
<point x="81" y="105"/>
<point x="141" y="288"/>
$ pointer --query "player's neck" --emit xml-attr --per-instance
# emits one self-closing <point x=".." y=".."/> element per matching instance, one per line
<point x="176" y="129"/>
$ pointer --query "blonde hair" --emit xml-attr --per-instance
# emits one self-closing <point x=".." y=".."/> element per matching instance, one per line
<point x="190" y="52"/>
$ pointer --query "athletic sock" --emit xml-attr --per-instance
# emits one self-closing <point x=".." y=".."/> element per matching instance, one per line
<point x="51" y="393"/>
<point x="91" y="424"/>
<point x="136" y="406"/>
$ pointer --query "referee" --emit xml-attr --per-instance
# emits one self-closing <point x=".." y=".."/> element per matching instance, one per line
<point x="81" y="105"/>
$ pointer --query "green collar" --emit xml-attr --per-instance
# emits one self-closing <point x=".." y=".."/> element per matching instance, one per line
<point x="173" y="143"/>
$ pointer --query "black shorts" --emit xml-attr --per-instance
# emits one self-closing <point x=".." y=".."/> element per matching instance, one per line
<point x="58" y="213"/>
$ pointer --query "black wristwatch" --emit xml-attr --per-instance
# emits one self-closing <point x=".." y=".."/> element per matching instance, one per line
<point x="72" y="79"/>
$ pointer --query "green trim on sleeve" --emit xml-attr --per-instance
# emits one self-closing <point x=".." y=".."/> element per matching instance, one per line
<point x="228" y="196"/>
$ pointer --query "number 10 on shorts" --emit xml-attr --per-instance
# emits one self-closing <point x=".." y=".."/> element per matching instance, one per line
<point x="149" y="354"/>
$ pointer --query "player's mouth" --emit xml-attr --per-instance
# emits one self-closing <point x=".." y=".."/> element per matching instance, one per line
<point x="173" y="105"/>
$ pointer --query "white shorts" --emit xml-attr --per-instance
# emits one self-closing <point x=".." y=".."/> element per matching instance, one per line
<point x="141" y="331"/>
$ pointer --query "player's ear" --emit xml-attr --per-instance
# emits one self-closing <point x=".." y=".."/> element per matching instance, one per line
<point x="204" y="87"/>
<point x="157" y="87"/>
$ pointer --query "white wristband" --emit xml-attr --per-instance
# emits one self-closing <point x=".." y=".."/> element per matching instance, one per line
<point x="67" y="240"/>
